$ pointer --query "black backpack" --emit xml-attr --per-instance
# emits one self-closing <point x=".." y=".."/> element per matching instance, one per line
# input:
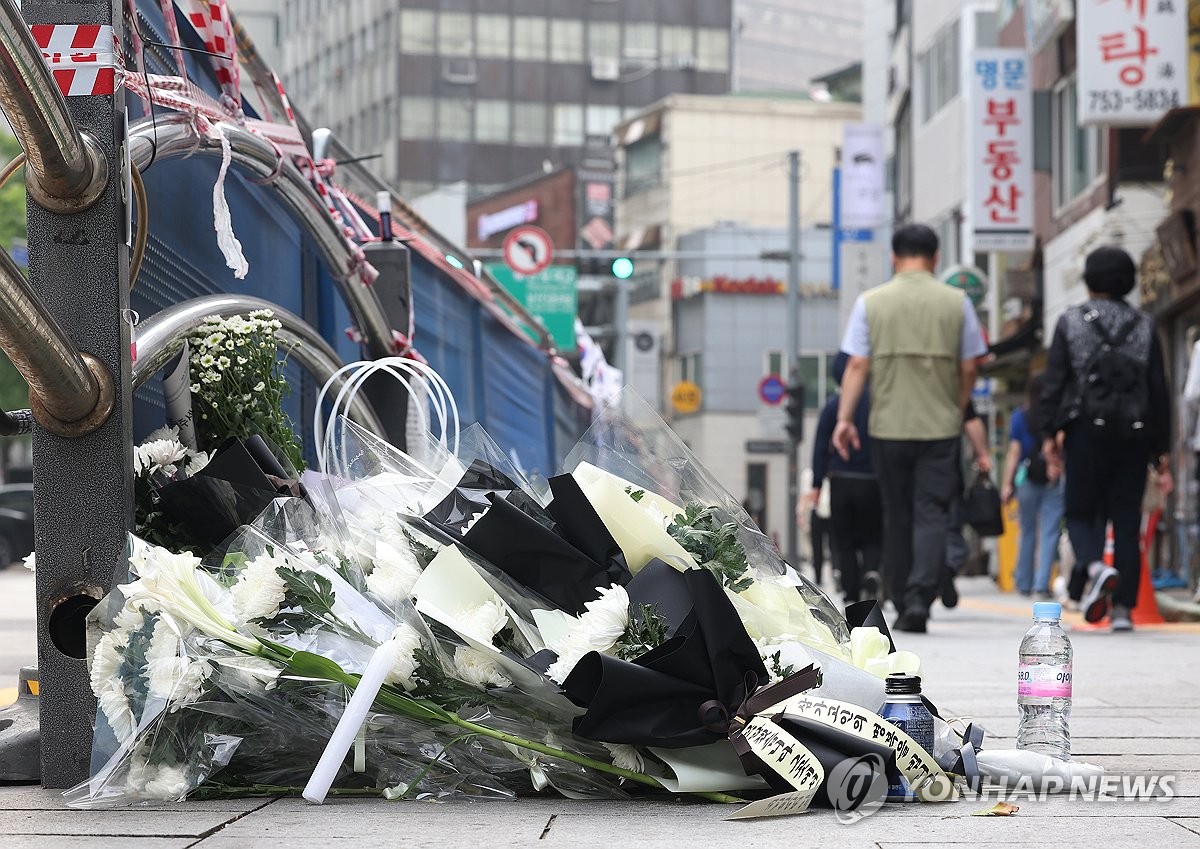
<point x="1115" y="393"/>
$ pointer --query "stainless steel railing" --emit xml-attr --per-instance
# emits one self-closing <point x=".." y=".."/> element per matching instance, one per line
<point x="160" y="337"/>
<point x="175" y="136"/>
<point x="67" y="169"/>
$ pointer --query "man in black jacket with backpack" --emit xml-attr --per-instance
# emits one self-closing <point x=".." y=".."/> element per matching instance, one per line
<point x="1106" y="414"/>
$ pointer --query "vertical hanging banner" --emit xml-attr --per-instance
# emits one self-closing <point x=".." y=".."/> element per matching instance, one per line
<point x="862" y="200"/>
<point x="1001" y="160"/>
<point x="1133" y="60"/>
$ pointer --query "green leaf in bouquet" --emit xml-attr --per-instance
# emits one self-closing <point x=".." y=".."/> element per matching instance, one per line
<point x="647" y="629"/>
<point x="636" y="494"/>
<point x="424" y="553"/>
<point x="713" y="545"/>
<point x="433" y="683"/>
<point x="776" y="669"/>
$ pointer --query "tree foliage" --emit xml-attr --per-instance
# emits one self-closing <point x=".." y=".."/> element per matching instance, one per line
<point x="14" y="393"/>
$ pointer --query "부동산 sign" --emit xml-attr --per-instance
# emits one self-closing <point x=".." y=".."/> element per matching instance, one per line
<point x="552" y="295"/>
<point x="1001" y="150"/>
<point x="1133" y="60"/>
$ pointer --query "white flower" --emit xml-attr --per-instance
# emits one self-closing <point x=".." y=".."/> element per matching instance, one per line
<point x="241" y="361"/>
<point x="108" y="687"/>
<point x="599" y="628"/>
<point x="213" y="340"/>
<point x="484" y="621"/>
<point x="478" y="669"/>
<point x="166" y="782"/>
<point x="196" y="461"/>
<point x="260" y="386"/>
<point x="223" y="363"/>
<point x="607" y="617"/>
<point x="158" y="454"/>
<point x="169" y="676"/>
<point x="259" y="589"/>
<point x="30" y="561"/>
<point x="405" y="665"/>
<point x="195" y="387"/>
<point x="625" y="756"/>
<point x="229" y="346"/>
<point x="129" y="619"/>
<point x="261" y="313"/>
<point x="208" y="361"/>
<point x="165" y="432"/>
<point x="396" y="571"/>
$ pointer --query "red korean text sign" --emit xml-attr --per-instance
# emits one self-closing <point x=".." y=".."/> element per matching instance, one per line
<point x="1133" y="60"/>
<point x="1001" y="158"/>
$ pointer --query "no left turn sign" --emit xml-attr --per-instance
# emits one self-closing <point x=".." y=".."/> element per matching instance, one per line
<point x="528" y="250"/>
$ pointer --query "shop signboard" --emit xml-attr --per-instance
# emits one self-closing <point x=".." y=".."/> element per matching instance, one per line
<point x="1133" y="60"/>
<point x="1001" y="144"/>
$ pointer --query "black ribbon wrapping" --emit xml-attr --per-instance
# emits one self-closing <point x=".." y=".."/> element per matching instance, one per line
<point x="869" y="614"/>
<point x="240" y="480"/>
<point x="657" y="699"/>
<point x="473" y="494"/>
<point x="564" y="553"/>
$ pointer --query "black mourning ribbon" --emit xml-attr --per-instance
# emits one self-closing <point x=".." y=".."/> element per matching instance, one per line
<point x="563" y="553"/>
<point x="474" y="493"/>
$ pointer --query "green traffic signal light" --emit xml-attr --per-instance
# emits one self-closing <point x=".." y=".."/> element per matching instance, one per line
<point x="622" y="268"/>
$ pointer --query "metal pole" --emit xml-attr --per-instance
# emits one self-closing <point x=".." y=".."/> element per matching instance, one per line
<point x="793" y="311"/>
<point x="621" y="326"/>
<point x="83" y="495"/>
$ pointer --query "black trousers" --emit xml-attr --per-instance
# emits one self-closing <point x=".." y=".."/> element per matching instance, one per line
<point x="918" y="480"/>
<point x="1105" y="482"/>
<point x="819" y="528"/>
<point x="857" y="529"/>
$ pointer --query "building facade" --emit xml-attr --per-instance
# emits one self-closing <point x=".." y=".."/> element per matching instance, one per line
<point x="784" y="45"/>
<point x="487" y="92"/>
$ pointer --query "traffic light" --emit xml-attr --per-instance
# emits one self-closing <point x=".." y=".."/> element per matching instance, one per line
<point x="795" y="411"/>
<point x="619" y="268"/>
<point x="622" y="268"/>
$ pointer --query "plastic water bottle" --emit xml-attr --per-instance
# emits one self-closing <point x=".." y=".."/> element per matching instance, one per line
<point x="1044" y="685"/>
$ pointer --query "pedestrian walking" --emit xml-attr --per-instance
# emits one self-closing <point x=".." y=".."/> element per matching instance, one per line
<point x="1105" y="419"/>
<point x="917" y="340"/>
<point x="815" y="513"/>
<point x="957" y="550"/>
<point x="856" y="510"/>
<point x="1039" y="493"/>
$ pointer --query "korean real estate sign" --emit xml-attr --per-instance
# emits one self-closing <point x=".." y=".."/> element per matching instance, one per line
<point x="1133" y="59"/>
<point x="1001" y="157"/>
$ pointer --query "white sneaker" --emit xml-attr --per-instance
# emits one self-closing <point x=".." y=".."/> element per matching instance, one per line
<point x="1104" y="582"/>
<point x="1120" y="619"/>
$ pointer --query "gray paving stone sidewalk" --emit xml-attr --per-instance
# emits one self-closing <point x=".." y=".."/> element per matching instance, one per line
<point x="1136" y="711"/>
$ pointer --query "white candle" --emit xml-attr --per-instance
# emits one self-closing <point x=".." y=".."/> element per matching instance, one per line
<point x="360" y="703"/>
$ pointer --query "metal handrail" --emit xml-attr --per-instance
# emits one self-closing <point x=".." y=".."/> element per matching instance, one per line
<point x="62" y="382"/>
<point x="151" y="140"/>
<point x="67" y="168"/>
<point x="160" y="337"/>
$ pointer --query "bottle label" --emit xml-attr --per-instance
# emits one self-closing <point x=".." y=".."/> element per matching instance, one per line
<point x="1043" y="681"/>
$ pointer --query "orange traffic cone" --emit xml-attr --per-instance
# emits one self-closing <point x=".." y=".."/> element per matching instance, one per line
<point x="1145" y="612"/>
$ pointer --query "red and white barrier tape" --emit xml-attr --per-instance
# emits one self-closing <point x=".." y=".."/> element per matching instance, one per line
<point x="84" y="59"/>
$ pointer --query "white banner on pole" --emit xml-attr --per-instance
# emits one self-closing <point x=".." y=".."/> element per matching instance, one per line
<point x="1133" y="60"/>
<point x="1001" y="150"/>
<point x="863" y="178"/>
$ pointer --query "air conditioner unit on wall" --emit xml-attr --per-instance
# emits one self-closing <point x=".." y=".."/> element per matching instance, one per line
<point x="606" y="68"/>
<point x="460" y="71"/>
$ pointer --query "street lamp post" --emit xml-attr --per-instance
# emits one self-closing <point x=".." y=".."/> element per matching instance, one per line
<point x="793" y="310"/>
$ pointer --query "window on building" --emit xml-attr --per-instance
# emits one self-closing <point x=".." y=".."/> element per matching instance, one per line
<point x="416" y="117"/>
<point x="774" y="362"/>
<point x="604" y="39"/>
<point x="416" y="31"/>
<point x="529" y="38"/>
<point x="643" y="165"/>
<point x="641" y="40"/>
<point x="691" y="368"/>
<point x="712" y="50"/>
<point x="454" y="34"/>
<point x="568" y="124"/>
<point x="938" y="71"/>
<point x="602" y="119"/>
<point x="678" y="43"/>
<point x="529" y="123"/>
<point x="492" y="39"/>
<point x="454" y="119"/>
<point x="492" y="122"/>
<point x="566" y="41"/>
<point x="1078" y="152"/>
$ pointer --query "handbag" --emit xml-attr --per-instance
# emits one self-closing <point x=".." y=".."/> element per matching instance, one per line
<point x="982" y="508"/>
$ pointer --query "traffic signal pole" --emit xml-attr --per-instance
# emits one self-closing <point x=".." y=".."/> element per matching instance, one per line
<point x="793" y="310"/>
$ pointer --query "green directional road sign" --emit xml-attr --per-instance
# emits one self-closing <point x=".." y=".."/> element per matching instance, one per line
<point x="552" y="295"/>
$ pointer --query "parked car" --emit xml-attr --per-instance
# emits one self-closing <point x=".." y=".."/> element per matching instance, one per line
<point x="16" y="522"/>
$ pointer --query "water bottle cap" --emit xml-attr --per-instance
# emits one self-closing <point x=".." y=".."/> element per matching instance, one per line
<point x="1047" y="610"/>
<point x="902" y="684"/>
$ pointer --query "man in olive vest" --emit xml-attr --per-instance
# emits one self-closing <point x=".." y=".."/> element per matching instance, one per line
<point x="917" y="340"/>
